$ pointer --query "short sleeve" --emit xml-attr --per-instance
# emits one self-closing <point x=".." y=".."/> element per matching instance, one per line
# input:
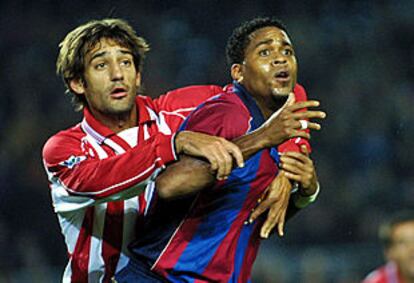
<point x="219" y="118"/>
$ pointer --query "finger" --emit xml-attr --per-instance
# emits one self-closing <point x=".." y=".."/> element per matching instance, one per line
<point x="213" y="163"/>
<point x="256" y="212"/>
<point x="291" y="99"/>
<point x="216" y="157"/>
<point x="293" y="176"/>
<point x="292" y="156"/>
<point x="297" y="170"/>
<point x="269" y="224"/>
<point x="304" y="150"/>
<point x="299" y="134"/>
<point x="224" y="163"/>
<point x="309" y="114"/>
<point x="304" y="104"/>
<point x="235" y="151"/>
<point x="281" y="225"/>
<point x="308" y="125"/>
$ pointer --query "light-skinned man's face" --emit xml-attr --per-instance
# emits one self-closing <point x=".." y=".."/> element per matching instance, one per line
<point x="270" y="66"/>
<point x="401" y="250"/>
<point x="110" y="81"/>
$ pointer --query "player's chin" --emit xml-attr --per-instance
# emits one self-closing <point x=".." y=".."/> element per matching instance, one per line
<point x="281" y="92"/>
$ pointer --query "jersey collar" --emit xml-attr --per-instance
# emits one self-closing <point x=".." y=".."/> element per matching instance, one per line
<point x="100" y="132"/>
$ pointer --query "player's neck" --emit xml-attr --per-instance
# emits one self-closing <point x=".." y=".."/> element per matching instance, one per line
<point x="117" y="122"/>
<point x="269" y="105"/>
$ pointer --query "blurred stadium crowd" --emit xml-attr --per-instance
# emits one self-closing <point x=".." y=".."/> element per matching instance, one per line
<point x="355" y="56"/>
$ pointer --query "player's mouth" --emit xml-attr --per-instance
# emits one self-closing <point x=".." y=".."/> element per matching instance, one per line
<point x="282" y="76"/>
<point x="119" y="92"/>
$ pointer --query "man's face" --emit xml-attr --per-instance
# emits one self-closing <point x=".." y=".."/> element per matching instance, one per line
<point x="111" y="79"/>
<point x="401" y="250"/>
<point x="270" y="66"/>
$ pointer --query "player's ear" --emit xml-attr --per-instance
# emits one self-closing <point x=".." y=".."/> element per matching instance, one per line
<point x="389" y="254"/>
<point x="77" y="86"/>
<point x="138" y="80"/>
<point x="237" y="72"/>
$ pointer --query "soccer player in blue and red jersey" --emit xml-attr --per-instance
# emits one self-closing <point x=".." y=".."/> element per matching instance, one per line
<point x="196" y="231"/>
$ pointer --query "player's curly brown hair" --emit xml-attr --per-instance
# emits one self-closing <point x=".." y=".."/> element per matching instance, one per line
<point x="240" y="38"/>
<point x="70" y="63"/>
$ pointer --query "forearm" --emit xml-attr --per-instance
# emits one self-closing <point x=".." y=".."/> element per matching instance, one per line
<point x="187" y="176"/>
<point x="85" y="176"/>
<point x="251" y="143"/>
<point x="190" y="175"/>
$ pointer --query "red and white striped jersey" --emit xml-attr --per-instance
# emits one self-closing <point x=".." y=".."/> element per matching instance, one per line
<point x="97" y="177"/>
<point x="385" y="274"/>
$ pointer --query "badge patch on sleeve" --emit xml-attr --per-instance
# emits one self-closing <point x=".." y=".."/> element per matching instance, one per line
<point x="72" y="161"/>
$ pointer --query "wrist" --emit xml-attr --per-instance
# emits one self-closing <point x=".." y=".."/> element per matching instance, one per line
<point x="306" y="192"/>
<point x="302" y="201"/>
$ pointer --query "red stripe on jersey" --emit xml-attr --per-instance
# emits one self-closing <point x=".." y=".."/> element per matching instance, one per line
<point x="251" y="253"/>
<point x="112" y="245"/>
<point x="228" y="247"/>
<point x="80" y="256"/>
<point x="177" y="245"/>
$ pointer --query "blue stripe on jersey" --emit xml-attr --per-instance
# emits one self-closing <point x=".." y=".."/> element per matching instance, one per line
<point x="250" y="103"/>
<point x="242" y="246"/>
<point x="223" y="208"/>
<point x="255" y="112"/>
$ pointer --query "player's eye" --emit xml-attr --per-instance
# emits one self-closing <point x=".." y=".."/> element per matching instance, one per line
<point x="264" y="52"/>
<point x="100" y="66"/>
<point x="287" y="52"/>
<point x="126" y="62"/>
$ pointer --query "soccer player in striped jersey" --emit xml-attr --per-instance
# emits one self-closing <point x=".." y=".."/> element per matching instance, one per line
<point x="98" y="169"/>
<point x="196" y="231"/>
<point x="397" y="236"/>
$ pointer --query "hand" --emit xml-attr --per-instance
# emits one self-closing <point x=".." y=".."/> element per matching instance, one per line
<point x="276" y="200"/>
<point x="288" y="121"/>
<point x="218" y="151"/>
<point x="300" y="168"/>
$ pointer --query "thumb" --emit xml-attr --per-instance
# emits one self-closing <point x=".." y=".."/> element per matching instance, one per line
<point x="304" y="149"/>
<point x="291" y="99"/>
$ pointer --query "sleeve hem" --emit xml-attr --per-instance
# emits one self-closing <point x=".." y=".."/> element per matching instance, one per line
<point x="165" y="149"/>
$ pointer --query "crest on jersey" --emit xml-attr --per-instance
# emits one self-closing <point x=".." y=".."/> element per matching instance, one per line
<point x="72" y="161"/>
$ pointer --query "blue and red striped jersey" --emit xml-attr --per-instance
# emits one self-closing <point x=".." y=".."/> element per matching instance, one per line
<point x="202" y="238"/>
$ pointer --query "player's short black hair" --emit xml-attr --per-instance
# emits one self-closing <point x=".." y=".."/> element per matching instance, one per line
<point x="387" y="227"/>
<point x="240" y="38"/>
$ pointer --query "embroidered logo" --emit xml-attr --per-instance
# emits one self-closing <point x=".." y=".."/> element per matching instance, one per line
<point x="72" y="161"/>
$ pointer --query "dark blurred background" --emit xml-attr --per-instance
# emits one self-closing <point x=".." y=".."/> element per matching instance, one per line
<point x="355" y="56"/>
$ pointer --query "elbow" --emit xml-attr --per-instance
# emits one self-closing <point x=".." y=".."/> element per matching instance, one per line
<point x="165" y="190"/>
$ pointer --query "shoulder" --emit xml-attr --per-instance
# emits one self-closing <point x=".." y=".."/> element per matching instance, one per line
<point x="186" y="97"/>
<point x="224" y="115"/>
<point x="62" y="143"/>
<point x="300" y="93"/>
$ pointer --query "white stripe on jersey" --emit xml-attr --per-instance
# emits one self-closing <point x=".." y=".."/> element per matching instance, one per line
<point x="118" y="149"/>
<point x="96" y="261"/>
<point x="131" y="207"/>
<point x="99" y="150"/>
